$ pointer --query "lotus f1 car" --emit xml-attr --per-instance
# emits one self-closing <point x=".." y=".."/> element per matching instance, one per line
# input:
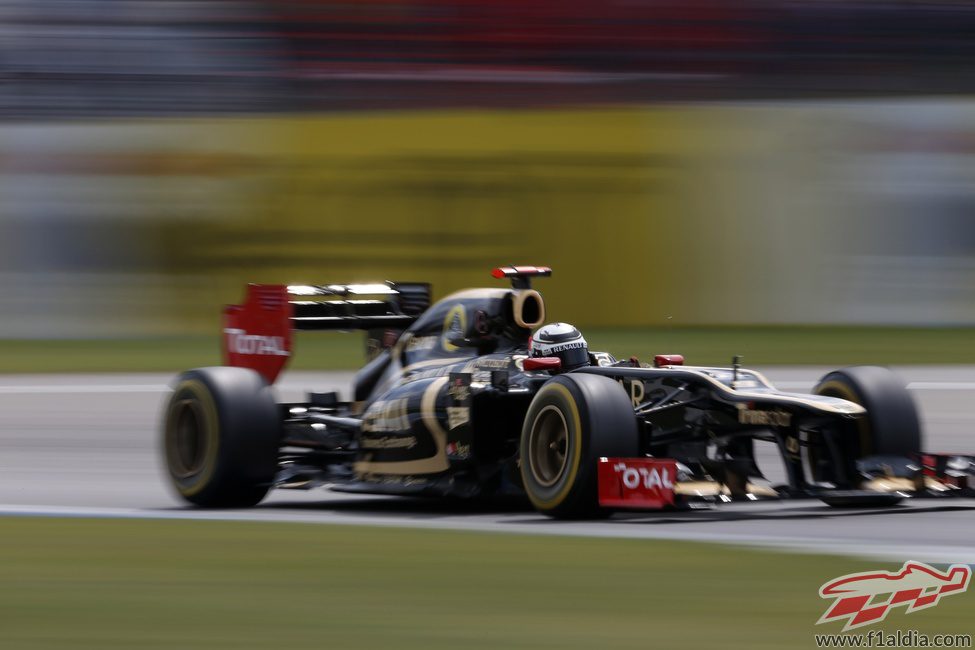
<point x="451" y="404"/>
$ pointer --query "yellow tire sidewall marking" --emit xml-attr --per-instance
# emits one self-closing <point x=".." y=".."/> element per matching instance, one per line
<point x="574" y="460"/>
<point x="211" y="426"/>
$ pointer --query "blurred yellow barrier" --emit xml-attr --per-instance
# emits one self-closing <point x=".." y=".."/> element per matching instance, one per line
<point x="709" y="214"/>
<point x="600" y="195"/>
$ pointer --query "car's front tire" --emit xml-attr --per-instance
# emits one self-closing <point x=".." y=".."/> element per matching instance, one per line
<point x="574" y="420"/>
<point x="221" y="432"/>
<point x="890" y="427"/>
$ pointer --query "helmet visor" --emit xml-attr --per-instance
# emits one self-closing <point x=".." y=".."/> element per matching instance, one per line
<point x="574" y="358"/>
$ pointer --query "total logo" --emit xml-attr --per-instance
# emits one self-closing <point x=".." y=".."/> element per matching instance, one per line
<point x="240" y="342"/>
<point x="641" y="483"/>
<point x="649" y="479"/>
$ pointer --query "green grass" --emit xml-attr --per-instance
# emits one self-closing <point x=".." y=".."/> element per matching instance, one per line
<point x="831" y="346"/>
<point x="81" y="583"/>
<point x="330" y="350"/>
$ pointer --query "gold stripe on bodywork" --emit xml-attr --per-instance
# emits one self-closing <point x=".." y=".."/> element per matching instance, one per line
<point x="713" y="488"/>
<point x="853" y="408"/>
<point x="842" y="391"/>
<point x="901" y="484"/>
<point x="432" y="465"/>
<point x="404" y="373"/>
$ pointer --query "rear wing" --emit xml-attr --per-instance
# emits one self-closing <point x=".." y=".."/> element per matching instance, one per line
<point x="338" y="307"/>
<point x="258" y="333"/>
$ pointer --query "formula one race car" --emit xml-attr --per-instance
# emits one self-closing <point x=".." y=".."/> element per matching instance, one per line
<point x="452" y="404"/>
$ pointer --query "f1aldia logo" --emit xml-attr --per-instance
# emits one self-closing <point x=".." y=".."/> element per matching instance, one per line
<point x="866" y="598"/>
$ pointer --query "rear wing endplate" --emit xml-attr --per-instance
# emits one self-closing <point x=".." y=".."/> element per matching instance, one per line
<point x="258" y="333"/>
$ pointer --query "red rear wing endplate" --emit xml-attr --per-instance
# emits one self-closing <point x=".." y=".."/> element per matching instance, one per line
<point x="257" y="334"/>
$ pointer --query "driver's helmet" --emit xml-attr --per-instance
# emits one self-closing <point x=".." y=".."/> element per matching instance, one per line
<point x="560" y="340"/>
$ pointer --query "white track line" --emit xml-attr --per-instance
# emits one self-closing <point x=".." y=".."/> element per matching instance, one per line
<point x="942" y="385"/>
<point x="865" y="548"/>
<point x="914" y="385"/>
<point x="94" y="388"/>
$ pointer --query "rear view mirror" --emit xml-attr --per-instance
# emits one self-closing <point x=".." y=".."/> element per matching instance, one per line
<point x="543" y="363"/>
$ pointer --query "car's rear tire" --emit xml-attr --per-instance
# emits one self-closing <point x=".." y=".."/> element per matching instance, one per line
<point x="221" y="432"/>
<point x="890" y="427"/>
<point x="573" y="420"/>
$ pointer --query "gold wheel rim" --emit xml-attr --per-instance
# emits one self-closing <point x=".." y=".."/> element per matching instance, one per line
<point x="548" y="446"/>
<point x="188" y="442"/>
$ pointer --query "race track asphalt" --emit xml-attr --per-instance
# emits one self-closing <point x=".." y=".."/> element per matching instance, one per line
<point x="86" y="445"/>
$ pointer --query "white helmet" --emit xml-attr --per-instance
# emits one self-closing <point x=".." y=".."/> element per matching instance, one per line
<point x="560" y="340"/>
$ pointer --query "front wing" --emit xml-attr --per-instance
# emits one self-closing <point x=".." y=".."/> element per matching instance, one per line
<point x="653" y="483"/>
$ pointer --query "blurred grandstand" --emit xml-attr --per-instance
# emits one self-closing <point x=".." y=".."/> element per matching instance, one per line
<point x="71" y="58"/>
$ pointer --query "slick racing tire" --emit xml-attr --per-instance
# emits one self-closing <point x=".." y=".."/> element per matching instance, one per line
<point x="573" y="420"/>
<point x="890" y="426"/>
<point x="221" y="433"/>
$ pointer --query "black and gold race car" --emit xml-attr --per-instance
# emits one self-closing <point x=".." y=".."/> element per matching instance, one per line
<point x="452" y="404"/>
